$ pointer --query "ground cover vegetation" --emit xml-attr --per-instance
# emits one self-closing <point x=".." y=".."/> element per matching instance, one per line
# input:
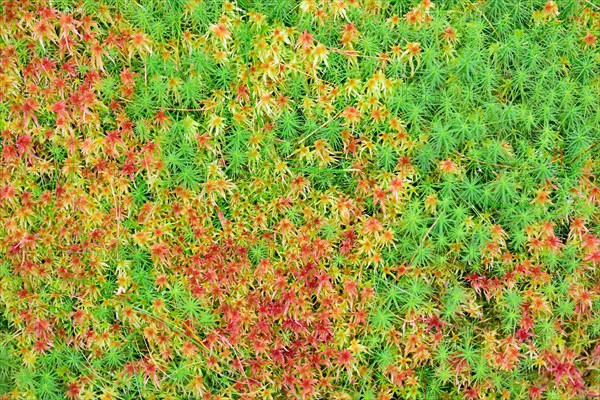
<point x="268" y="199"/>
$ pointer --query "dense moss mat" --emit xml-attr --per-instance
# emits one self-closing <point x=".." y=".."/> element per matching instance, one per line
<point x="348" y="199"/>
